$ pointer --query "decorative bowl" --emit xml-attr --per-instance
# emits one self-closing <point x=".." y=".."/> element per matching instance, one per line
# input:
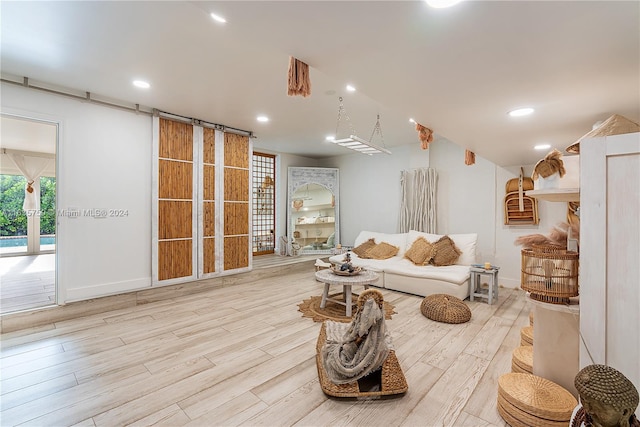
<point x="336" y="270"/>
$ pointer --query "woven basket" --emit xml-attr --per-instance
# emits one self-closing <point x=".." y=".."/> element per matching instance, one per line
<point x="526" y="335"/>
<point x="536" y="396"/>
<point x="522" y="359"/>
<point x="445" y="308"/>
<point x="549" y="273"/>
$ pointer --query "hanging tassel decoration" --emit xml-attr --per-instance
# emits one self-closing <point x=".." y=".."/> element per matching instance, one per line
<point x="425" y="135"/>
<point x="299" y="82"/>
<point x="469" y="158"/>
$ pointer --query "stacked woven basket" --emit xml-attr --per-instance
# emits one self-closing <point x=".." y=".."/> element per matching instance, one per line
<point x="522" y="359"/>
<point x="526" y="335"/>
<point x="528" y="400"/>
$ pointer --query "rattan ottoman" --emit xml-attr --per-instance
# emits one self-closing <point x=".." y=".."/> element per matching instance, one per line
<point x="528" y="400"/>
<point x="445" y="308"/>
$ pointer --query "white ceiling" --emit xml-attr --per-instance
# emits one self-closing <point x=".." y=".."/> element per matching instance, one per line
<point x="457" y="71"/>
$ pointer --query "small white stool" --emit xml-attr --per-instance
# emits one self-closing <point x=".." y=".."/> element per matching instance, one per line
<point x="475" y="283"/>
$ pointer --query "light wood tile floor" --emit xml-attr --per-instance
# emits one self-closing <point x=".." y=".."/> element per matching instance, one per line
<point x="243" y="355"/>
<point x="27" y="282"/>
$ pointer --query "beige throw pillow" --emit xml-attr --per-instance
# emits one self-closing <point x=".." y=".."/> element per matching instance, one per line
<point x="361" y="250"/>
<point x="446" y="252"/>
<point x="382" y="250"/>
<point x="421" y="252"/>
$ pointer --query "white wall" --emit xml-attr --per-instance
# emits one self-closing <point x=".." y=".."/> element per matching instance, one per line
<point x="104" y="161"/>
<point x="370" y="188"/>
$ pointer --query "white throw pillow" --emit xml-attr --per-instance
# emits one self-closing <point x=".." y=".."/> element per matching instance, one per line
<point x="467" y="244"/>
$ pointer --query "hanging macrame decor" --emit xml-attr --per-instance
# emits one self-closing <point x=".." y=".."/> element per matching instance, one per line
<point x="299" y="82"/>
<point x="425" y="135"/>
<point x="469" y="158"/>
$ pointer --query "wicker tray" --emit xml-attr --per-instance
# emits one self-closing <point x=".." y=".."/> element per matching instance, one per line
<point x="392" y="379"/>
<point x="526" y="335"/>
<point x="522" y="359"/>
<point x="356" y="271"/>
<point x="516" y="417"/>
<point x="537" y="396"/>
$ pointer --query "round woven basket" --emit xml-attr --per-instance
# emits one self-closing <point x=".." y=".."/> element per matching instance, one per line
<point x="522" y="359"/>
<point x="445" y="308"/>
<point x="526" y="335"/>
<point x="537" y="396"/>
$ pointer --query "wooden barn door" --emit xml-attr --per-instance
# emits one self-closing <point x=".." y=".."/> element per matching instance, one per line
<point x="236" y="201"/>
<point x="174" y="244"/>
<point x="194" y="234"/>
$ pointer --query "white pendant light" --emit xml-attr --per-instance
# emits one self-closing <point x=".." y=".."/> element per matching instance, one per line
<point x="353" y="142"/>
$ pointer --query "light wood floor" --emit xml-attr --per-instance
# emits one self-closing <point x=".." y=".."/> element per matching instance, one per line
<point x="26" y="282"/>
<point x="243" y="355"/>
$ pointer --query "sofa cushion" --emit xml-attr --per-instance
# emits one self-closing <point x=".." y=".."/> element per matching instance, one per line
<point x="420" y="252"/>
<point x="467" y="245"/>
<point x="445" y="252"/>
<point x="465" y="242"/>
<point x="396" y="239"/>
<point x="382" y="250"/>
<point x="362" y="248"/>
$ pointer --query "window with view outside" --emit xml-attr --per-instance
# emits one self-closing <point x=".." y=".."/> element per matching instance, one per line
<point x="13" y="220"/>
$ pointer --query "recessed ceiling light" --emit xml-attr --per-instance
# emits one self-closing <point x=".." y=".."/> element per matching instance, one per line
<point x="141" y="84"/>
<point x="262" y="118"/>
<point x="521" y="112"/>
<point x="218" y="18"/>
<point x="330" y="138"/>
<point x="351" y="88"/>
<point x="441" y="4"/>
<point x="412" y="121"/>
<point x="542" y="147"/>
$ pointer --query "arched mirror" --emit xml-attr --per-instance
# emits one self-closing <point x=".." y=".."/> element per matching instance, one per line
<point x="313" y="223"/>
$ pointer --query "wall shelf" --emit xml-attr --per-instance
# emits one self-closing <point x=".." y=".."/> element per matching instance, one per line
<point x="556" y="194"/>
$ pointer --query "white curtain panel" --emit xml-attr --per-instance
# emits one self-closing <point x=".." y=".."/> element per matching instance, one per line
<point x="418" y="204"/>
<point x="31" y="168"/>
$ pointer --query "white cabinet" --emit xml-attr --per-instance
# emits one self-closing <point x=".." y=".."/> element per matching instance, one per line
<point x="609" y="253"/>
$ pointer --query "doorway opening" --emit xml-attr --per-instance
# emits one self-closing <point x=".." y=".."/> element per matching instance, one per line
<point x="28" y="215"/>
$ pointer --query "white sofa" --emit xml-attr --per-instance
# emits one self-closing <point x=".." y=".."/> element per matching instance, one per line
<point x="400" y="274"/>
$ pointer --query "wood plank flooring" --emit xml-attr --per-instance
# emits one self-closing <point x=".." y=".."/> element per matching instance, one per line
<point x="244" y="355"/>
<point x="26" y="282"/>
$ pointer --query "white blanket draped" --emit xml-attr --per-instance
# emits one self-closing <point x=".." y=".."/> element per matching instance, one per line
<point x="354" y="350"/>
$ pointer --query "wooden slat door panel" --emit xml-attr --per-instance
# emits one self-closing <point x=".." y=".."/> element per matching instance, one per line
<point x="208" y="184"/>
<point x="236" y="201"/>
<point x="175" y="240"/>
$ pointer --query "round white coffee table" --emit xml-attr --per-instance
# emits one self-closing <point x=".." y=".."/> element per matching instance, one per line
<point x="326" y="276"/>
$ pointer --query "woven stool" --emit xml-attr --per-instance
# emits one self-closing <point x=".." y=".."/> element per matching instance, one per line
<point x="445" y="308"/>
<point x="528" y="400"/>
<point x="526" y="335"/>
<point x="522" y="359"/>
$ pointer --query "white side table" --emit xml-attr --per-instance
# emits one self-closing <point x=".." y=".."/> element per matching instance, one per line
<point x="475" y="283"/>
